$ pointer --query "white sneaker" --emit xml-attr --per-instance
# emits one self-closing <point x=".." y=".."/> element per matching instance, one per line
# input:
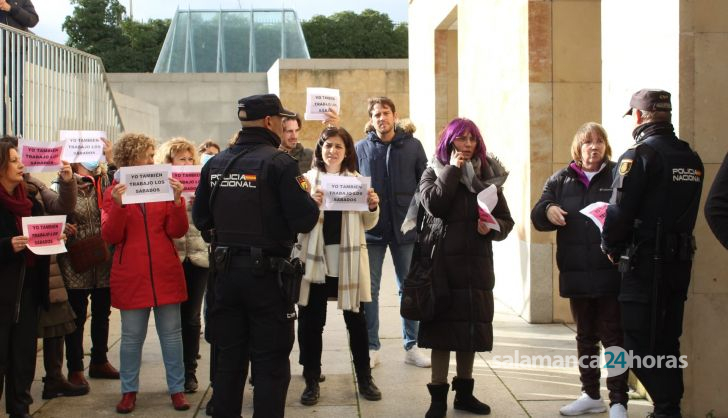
<point x="415" y="357"/>
<point x="584" y="405"/>
<point x="617" y="411"/>
<point x="373" y="358"/>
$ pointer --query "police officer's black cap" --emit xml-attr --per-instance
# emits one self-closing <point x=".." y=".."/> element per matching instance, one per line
<point x="261" y="105"/>
<point x="651" y="100"/>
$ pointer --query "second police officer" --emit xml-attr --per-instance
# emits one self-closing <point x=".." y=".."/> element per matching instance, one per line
<point x="649" y="232"/>
<point x="254" y="199"/>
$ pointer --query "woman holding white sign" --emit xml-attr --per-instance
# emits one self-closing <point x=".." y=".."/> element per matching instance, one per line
<point x="146" y="273"/>
<point x="192" y="251"/>
<point x="455" y="242"/>
<point x="337" y="265"/>
<point x="586" y="276"/>
<point x="24" y="282"/>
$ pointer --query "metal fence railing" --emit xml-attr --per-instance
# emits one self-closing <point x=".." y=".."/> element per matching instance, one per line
<point x="47" y="87"/>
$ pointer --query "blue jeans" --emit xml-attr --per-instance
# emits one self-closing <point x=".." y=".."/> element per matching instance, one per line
<point x="134" y="331"/>
<point x="402" y="256"/>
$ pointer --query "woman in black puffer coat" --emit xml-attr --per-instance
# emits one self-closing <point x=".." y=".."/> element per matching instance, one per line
<point x="461" y="246"/>
<point x="586" y="276"/>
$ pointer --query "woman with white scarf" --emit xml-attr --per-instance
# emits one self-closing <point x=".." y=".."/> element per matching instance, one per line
<point x="337" y="265"/>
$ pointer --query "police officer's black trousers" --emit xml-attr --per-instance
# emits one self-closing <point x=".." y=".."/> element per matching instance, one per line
<point x="665" y="383"/>
<point x="250" y="320"/>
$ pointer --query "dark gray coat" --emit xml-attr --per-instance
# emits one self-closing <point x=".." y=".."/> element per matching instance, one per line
<point x="463" y="276"/>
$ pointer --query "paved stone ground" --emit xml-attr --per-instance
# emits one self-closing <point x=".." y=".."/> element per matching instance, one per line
<point x="524" y="391"/>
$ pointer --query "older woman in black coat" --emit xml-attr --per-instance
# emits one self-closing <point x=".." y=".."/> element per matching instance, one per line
<point x="586" y="276"/>
<point x="460" y="244"/>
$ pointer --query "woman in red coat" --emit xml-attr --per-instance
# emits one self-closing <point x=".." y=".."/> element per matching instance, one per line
<point x="145" y="273"/>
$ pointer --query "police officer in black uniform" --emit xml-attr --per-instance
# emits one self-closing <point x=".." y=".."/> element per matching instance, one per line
<point x="649" y="233"/>
<point x="254" y="199"/>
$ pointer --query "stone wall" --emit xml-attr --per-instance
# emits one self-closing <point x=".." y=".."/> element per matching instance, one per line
<point x="196" y="106"/>
<point x="357" y="80"/>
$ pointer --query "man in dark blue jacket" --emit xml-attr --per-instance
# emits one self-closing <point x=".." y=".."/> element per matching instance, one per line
<point x="395" y="160"/>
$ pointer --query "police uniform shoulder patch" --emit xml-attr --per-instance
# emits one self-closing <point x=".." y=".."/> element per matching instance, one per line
<point x="624" y="166"/>
<point x="303" y="182"/>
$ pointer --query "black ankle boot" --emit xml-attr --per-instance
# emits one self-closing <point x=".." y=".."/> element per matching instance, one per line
<point x="438" y="400"/>
<point x="368" y="389"/>
<point x="464" y="399"/>
<point x="311" y="393"/>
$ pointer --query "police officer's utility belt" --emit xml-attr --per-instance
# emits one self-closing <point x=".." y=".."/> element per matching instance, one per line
<point x="230" y="257"/>
<point x="675" y="246"/>
<point x="288" y="273"/>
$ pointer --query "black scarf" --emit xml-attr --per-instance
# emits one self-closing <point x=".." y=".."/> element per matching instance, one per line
<point x="649" y="129"/>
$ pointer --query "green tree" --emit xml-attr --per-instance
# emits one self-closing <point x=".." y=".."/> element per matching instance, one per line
<point x="100" y="27"/>
<point x="349" y="35"/>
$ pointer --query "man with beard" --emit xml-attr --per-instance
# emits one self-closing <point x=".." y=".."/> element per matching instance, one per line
<point x="395" y="160"/>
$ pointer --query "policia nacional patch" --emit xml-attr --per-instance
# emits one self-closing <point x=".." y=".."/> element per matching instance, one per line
<point x="624" y="166"/>
<point x="303" y="182"/>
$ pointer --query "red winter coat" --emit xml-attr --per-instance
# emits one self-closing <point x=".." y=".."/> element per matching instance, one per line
<point x="145" y="271"/>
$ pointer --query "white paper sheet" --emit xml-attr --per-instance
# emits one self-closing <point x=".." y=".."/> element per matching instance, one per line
<point x="597" y="212"/>
<point x="39" y="156"/>
<point x="146" y="183"/>
<point x="487" y="199"/>
<point x="44" y="234"/>
<point x="189" y="175"/>
<point x="345" y="192"/>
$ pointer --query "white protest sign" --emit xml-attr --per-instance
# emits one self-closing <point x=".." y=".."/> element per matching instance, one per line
<point x="146" y="183"/>
<point x="44" y="234"/>
<point x="39" y="156"/>
<point x="345" y="192"/>
<point x="319" y="100"/>
<point x="189" y="176"/>
<point x="597" y="212"/>
<point x="487" y="199"/>
<point x="82" y="146"/>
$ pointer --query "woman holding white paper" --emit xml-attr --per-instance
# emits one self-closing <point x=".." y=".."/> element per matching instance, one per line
<point x="145" y="273"/>
<point x="457" y="243"/>
<point x="586" y="276"/>
<point x="337" y="265"/>
<point x="24" y="283"/>
<point x="193" y="253"/>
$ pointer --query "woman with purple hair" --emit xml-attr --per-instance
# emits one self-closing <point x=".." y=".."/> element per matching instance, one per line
<point x="457" y="242"/>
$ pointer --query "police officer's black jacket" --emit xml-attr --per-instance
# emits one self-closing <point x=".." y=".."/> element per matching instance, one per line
<point x="261" y="202"/>
<point x="660" y="177"/>
<point x="584" y="271"/>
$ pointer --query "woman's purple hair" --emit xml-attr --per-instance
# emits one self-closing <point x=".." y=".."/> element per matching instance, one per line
<point x="458" y="127"/>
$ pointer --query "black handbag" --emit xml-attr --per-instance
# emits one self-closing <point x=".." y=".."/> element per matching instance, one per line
<point x="418" y="299"/>
<point x="418" y="293"/>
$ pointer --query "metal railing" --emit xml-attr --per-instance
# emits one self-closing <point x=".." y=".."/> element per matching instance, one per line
<point x="48" y="87"/>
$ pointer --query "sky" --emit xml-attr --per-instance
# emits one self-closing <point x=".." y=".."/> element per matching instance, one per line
<point x="53" y="12"/>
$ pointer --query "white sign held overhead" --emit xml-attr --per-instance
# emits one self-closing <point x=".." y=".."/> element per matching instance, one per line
<point x="39" y="156"/>
<point x="83" y="146"/>
<point x="320" y="100"/>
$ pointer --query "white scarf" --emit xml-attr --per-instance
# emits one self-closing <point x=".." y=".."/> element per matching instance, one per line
<point x="354" y="282"/>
